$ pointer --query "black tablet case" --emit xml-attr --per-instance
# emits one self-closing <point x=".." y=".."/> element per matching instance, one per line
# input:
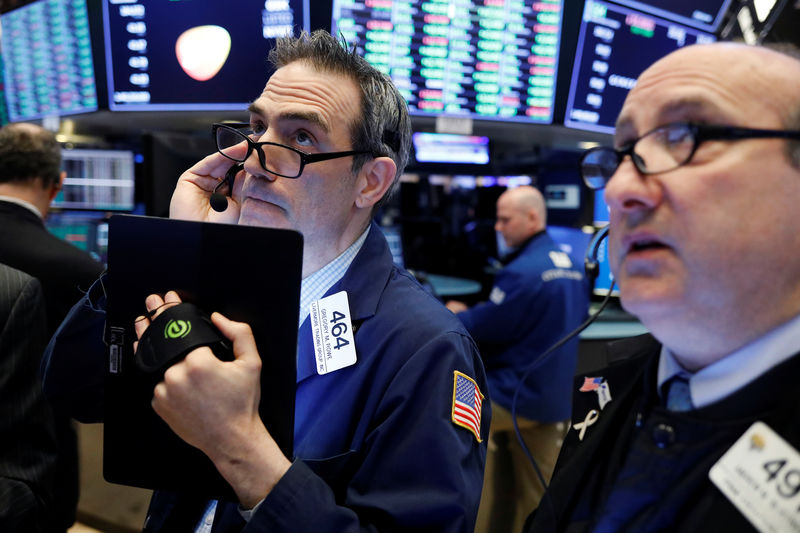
<point x="248" y="274"/>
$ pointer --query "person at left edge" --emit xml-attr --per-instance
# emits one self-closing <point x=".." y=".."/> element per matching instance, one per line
<point x="377" y="444"/>
<point x="28" y="450"/>
<point x="30" y="178"/>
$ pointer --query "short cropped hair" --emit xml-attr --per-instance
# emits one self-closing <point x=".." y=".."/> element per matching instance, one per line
<point x="28" y="152"/>
<point x="383" y="127"/>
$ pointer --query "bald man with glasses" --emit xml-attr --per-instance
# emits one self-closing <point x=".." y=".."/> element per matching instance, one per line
<point x="695" y="426"/>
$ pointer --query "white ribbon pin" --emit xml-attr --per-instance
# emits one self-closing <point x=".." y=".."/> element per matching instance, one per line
<point x="591" y="418"/>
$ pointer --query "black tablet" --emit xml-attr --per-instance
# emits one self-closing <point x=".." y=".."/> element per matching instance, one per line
<point x="248" y="274"/>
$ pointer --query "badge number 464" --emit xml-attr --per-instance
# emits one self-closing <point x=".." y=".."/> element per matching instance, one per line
<point x="332" y="332"/>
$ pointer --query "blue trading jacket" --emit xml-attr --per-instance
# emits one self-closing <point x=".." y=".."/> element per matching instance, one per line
<point x="537" y="298"/>
<point x="375" y="446"/>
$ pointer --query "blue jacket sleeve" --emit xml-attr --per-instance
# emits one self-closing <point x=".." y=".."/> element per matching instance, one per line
<point x="505" y="317"/>
<point x="417" y="471"/>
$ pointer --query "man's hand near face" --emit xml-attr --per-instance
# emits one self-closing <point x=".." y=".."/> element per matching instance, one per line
<point x="191" y="199"/>
<point x="213" y="405"/>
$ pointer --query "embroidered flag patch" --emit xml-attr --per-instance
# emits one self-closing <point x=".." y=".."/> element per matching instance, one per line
<point x="467" y="402"/>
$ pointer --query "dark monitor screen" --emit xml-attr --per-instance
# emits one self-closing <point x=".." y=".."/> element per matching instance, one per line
<point x="702" y="14"/>
<point x="193" y="54"/>
<point x="47" y="60"/>
<point x="97" y="179"/>
<point x="615" y="45"/>
<point x="88" y="230"/>
<point x="480" y="59"/>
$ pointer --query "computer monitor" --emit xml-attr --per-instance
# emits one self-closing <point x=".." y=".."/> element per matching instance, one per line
<point x="702" y="14"/>
<point x="201" y="55"/>
<point x="395" y="239"/>
<point x="88" y="230"/>
<point x="477" y="59"/>
<point x="615" y="45"/>
<point x="450" y="148"/>
<point x="97" y="179"/>
<point x="604" y="280"/>
<point x="47" y="60"/>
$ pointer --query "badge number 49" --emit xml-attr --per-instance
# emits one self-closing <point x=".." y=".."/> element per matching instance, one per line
<point x="760" y="475"/>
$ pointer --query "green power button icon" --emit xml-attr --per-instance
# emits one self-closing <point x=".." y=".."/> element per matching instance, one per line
<point x="177" y="329"/>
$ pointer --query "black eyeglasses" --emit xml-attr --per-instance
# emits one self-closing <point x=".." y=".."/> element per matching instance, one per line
<point x="664" y="148"/>
<point x="275" y="158"/>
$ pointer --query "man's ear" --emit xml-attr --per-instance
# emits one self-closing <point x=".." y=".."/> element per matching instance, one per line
<point x="58" y="185"/>
<point x="374" y="180"/>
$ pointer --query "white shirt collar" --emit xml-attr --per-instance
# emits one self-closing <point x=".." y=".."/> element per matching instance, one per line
<point x="314" y="286"/>
<point x="23" y="203"/>
<point x="731" y="373"/>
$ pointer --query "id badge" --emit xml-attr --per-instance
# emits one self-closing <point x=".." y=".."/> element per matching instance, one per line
<point x="332" y="332"/>
<point x="760" y="475"/>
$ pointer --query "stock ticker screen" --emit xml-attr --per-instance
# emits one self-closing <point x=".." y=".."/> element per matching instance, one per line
<point x="615" y="45"/>
<point x="701" y="14"/>
<point x="483" y="59"/>
<point x="47" y="60"/>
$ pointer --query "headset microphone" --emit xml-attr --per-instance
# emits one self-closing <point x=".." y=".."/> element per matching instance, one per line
<point x="218" y="201"/>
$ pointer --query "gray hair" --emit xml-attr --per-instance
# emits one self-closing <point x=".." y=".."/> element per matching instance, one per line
<point x="384" y="127"/>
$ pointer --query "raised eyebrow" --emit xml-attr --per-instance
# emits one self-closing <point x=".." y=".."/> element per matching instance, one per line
<point x="686" y="109"/>
<point x="301" y="116"/>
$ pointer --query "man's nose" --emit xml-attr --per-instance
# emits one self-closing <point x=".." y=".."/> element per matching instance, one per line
<point x="628" y="189"/>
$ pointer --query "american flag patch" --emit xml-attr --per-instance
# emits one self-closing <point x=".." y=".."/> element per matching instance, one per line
<point x="467" y="402"/>
<point x="590" y="384"/>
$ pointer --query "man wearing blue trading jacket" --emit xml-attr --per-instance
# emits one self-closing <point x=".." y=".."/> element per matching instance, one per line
<point x="697" y="427"/>
<point x="537" y="298"/>
<point x="393" y="442"/>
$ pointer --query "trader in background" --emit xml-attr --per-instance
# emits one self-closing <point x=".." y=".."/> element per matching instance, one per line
<point x="696" y="427"/>
<point x="30" y="177"/>
<point x="537" y="298"/>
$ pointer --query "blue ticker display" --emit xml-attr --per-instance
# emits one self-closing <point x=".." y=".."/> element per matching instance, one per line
<point x="483" y="59"/>
<point x="47" y="57"/>
<point x="615" y="45"/>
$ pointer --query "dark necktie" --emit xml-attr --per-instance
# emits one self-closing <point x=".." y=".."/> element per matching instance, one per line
<point x="679" y="397"/>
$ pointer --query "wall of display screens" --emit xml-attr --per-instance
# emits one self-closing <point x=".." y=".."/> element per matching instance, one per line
<point x="192" y="54"/>
<point x="484" y="59"/>
<point x="615" y="45"/>
<point x="47" y="60"/>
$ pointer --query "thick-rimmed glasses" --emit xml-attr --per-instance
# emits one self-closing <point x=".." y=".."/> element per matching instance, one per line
<point x="664" y="148"/>
<point x="275" y="158"/>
